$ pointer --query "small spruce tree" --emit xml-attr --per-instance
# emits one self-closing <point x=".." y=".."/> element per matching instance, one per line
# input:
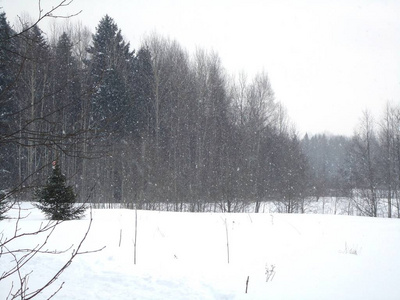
<point x="56" y="200"/>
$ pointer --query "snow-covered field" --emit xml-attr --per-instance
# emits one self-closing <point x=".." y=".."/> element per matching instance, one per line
<point x="185" y="256"/>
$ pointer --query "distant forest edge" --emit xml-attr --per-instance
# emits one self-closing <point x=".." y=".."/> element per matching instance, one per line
<point x="160" y="125"/>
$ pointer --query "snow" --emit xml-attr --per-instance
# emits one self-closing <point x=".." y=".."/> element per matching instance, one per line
<point x="185" y="256"/>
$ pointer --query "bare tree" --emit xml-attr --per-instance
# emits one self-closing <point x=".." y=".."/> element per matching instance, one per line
<point x="261" y="109"/>
<point x="387" y="139"/>
<point x="363" y="157"/>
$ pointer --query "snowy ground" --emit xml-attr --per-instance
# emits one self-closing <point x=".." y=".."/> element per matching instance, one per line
<point x="184" y="256"/>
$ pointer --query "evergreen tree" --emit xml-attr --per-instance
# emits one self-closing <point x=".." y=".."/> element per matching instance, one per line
<point x="110" y="105"/>
<point x="111" y="68"/>
<point x="110" y="76"/>
<point x="56" y="200"/>
<point x="66" y="84"/>
<point x="143" y="112"/>
<point x="66" y="105"/>
<point x="35" y="132"/>
<point x="8" y="106"/>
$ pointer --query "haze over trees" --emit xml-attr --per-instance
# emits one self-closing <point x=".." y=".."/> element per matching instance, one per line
<point x="158" y="127"/>
<point x="364" y="168"/>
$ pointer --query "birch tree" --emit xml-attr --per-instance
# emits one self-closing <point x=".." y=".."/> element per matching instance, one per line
<point x="364" y="167"/>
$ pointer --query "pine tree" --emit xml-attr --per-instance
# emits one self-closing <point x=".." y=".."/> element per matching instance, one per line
<point x="66" y="84"/>
<point x="56" y="200"/>
<point x="33" y="136"/>
<point x="8" y="103"/>
<point x="143" y="112"/>
<point x="111" y="69"/>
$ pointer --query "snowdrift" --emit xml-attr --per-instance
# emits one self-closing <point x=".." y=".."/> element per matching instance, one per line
<point x="186" y="255"/>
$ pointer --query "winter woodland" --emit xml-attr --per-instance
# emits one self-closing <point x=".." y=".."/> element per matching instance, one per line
<point x="160" y="128"/>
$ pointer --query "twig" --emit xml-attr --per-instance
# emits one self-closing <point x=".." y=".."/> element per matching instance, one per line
<point x="134" y="244"/>
<point x="22" y="291"/>
<point x="227" y="239"/>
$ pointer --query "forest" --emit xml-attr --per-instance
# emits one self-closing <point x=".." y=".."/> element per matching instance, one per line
<point x="160" y="128"/>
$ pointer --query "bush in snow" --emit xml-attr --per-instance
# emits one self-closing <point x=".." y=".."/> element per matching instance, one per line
<point x="269" y="272"/>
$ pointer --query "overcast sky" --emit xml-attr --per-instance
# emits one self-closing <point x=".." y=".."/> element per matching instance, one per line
<point x="327" y="61"/>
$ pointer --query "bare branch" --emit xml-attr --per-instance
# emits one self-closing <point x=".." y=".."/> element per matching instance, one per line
<point x="48" y="14"/>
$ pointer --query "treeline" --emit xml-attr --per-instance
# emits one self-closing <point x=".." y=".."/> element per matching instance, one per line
<point x="374" y="163"/>
<point x="156" y="125"/>
<point x="364" y="168"/>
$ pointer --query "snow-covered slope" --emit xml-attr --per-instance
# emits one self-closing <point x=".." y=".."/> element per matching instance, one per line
<point x="185" y="256"/>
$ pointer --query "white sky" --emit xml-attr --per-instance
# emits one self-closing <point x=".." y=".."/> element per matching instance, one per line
<point x="328" y="61"/>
